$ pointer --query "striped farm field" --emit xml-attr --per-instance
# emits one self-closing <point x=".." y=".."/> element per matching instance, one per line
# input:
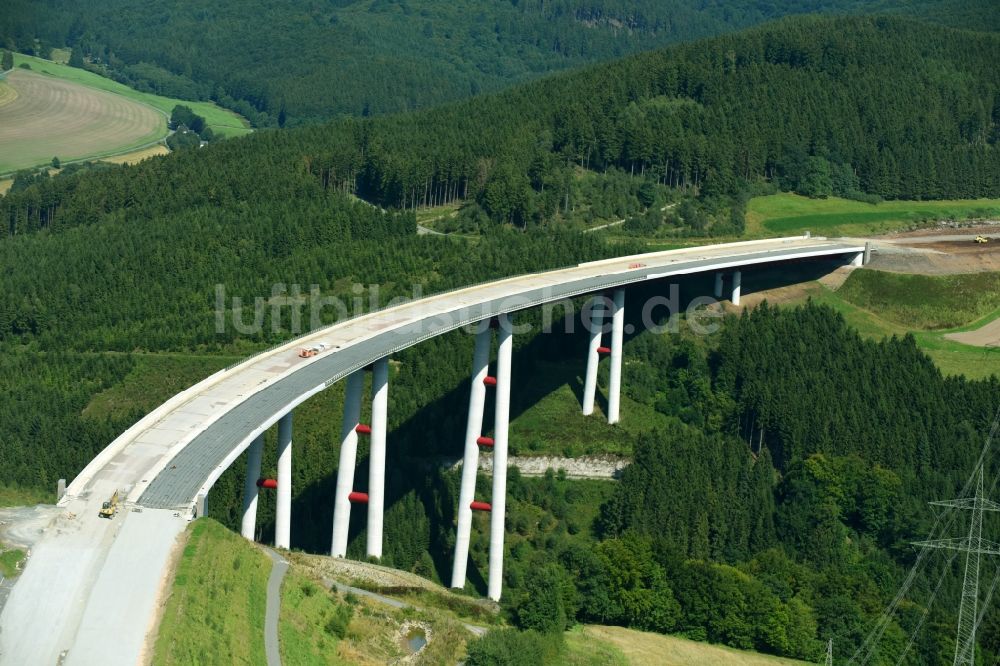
<point x="52" y="117"/>
<point x="7" y="94"/>
<point x="223" y="122"/>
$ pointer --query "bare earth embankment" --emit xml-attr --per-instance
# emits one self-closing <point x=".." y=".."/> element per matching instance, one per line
<point x="939" y="251"/>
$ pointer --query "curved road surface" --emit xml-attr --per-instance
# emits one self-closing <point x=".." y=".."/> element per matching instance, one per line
<point x="87" y="573"/>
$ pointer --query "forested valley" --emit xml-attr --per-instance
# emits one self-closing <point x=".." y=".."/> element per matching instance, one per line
<point x="819" y="106"/>
<point x="770" y="505"/>
<point x="771" y="502"/>
<point x="289" y="62"/>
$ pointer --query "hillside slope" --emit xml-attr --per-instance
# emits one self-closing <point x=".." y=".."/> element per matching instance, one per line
<point x="774" y="546"/>
<point x="822" y="106"/>
<point x="300" y="61"/>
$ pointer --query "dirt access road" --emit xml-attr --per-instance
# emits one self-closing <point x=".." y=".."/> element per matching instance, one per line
<point x="987" y="335"/>
<point x="938" y="251"/>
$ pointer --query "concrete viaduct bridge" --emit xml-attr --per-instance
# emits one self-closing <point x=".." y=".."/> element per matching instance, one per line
<point x="87" y="574"/>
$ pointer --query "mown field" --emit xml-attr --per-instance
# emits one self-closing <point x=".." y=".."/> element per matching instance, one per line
<point x="53" y="110"/>
<point x="789" y="214"/>
<point x="137" y="156"/>
<point x="52" y="117"/>
<point x="641" y="648"/>
<point x="7" y="93"/>
<point x="222" y="121"/>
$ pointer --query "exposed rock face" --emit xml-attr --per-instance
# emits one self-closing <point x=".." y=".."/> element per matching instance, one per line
<point x="585" y="467"/>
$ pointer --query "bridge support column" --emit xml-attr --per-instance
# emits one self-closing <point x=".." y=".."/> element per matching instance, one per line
<point x="718" y="285"/>
<point x="470" y="460"/>
<point x="376" y="457"/>
<point x="500" y="422"/>
<point x="593" y="355"/>
<point x="617" y="340"/>
<point x="737" y="284"/>
<point x="283" y="517"/>
<point x="858" y="260"/>
<point x="250" y="489"/>
<point x="348" y="459"/>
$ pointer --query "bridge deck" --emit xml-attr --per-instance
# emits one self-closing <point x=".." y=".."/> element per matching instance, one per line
<point x="365" y="339"/>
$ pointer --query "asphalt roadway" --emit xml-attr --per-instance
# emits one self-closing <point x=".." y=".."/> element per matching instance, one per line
<point x="279" y="568"/>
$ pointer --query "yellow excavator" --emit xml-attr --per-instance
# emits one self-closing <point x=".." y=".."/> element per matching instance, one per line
<point x="982" y="239"/>
<point x="109" y="508"/>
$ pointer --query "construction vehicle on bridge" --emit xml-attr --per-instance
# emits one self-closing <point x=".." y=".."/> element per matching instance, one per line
<point x="982" y="239"/>
<point x="109" y="508"/>
<point x="312" y="350"/>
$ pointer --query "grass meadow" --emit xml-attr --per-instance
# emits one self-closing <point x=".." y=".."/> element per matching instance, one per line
<point x="215" y="611"/>
<point x="788" y="214"/>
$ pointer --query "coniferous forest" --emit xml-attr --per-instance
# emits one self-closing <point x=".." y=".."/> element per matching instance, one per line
<point x="289" y="62"/>
<point x="772" y="500"/>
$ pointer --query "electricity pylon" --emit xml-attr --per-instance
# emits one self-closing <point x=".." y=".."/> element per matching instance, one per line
<point x="829" y="652"/>
<point x="974" y="546"/>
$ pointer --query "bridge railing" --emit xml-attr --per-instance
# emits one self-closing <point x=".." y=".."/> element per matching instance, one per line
<point x="300" y="339"/>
